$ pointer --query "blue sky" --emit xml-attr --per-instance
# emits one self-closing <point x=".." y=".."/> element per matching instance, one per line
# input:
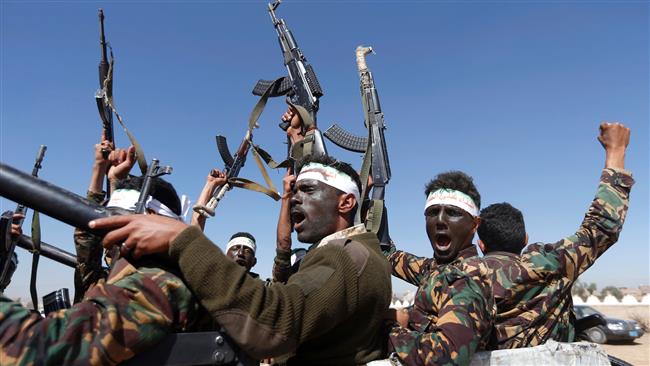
<point x="510" y="92"/>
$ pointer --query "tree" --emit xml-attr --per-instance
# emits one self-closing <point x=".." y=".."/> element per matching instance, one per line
<point x="612" y="291"/>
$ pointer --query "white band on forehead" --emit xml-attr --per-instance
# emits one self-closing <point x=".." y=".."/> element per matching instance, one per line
<point x="452" y="198"/>
<point x="128" y="198"/>
<point x="243" y="241"/>
<point x="330" y="176"/>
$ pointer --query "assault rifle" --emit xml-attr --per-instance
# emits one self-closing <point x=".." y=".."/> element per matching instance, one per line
<point x="153" y="170"/>
<point x="207" y="348"/>
<point x="301" y="85"/>
<point x="233" y="166"/>
<point x="105" y="90"/>
<point x="8" y="258"/>
<point x="374" y="145"/>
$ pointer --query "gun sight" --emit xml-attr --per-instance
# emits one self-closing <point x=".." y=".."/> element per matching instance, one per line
<point x="272" y="7"/>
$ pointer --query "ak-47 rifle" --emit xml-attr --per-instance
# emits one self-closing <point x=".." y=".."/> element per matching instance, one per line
<point x="153" y="170"/>
<point x="374" y="146"/>
<point x="104" y="93"/>
<point x="301" y="86"/>
<point x="233" y="166"/>
<point x="105" y="87"/>
<point x="8" y="257"/>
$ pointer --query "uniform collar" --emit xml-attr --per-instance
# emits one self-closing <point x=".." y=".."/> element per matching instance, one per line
<point x="342" y="234"/>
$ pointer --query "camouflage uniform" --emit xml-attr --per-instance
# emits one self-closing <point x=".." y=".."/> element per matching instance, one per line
<point x="533" y="290"/>
<point x="89" y="255"/>
<point x="452" y="317"/>
<point x="453" y="311"/>
<point x="130" y="312"/>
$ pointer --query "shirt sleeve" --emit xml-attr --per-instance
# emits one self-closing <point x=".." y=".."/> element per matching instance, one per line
<point x="465" y="312"/>
<point x="269" y="320"/>
<point x="282" y="266"/>
<point x="599" y="230"/>
<point x="407" y="266"/>
<point x="127" y="314"/>
<point x="89" y="255"/>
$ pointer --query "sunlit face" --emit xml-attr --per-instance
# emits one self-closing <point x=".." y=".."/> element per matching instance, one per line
<point x="450" y="230"/>
<point x="314" y="210"/>
<point x="242" y="255"/>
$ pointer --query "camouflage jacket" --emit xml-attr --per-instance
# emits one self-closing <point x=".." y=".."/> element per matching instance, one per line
<point x="533" y="290"/>
<point x="130" y="312"/>
<point x="414" y="269"/>
<point x="452" y="317"/>
<point x="89" y="256"/>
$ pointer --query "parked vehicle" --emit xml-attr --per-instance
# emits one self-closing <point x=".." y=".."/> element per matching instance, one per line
<point x="614" y="330"/>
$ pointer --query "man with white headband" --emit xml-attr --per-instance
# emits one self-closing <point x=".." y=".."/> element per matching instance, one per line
<point x="454" y="310"/>
<point x="330" y="312"/>
<point x="241" y="249"/>
<point x="124" y="195"/>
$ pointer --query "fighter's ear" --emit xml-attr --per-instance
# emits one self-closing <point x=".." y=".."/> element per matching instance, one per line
<point x="477" y="222"/>
<point x="347" y="202"/>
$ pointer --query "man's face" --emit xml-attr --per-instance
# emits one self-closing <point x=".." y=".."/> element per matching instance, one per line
<point x="242" y="255"/>
<point x="314" y="210"/>
<point x="450" y="230"/>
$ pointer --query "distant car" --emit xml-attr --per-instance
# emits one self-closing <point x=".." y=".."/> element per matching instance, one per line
<point x="615" y="330"/>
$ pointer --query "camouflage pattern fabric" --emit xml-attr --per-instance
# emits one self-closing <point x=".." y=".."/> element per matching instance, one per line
<point x="89" y="256"/>
<point x="533" y="290"/>
<point x="127" y="314"/>
<point x="414" y="269"/>
<point x="453" y="315"/>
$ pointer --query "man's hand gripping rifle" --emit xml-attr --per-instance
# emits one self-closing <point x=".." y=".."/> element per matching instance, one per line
<point x="374" y="147"/>
<point x="233" y="166"/>
<point x="300" y="86"/>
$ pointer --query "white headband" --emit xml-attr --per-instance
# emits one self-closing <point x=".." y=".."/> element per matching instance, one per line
<point x="128" y="198"/>
<point x="331" y="177"/>
<point x="452" y="198"/>
<point x="243" y="241"/>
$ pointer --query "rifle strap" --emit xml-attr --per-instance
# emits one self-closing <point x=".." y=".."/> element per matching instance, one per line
<point x="363" y="175"/>
<point x="36" y="240"/>
<point x="108" y="100"/>
<point x="374" y="216"/>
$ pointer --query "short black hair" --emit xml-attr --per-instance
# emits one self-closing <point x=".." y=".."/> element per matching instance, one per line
<point x="243" y="234"/>
<point x="457" y="181"/>
<point x="502" y="228"/>
<point x="330" y="161"/>
<point x="161" y="190"/>
<point x="336" y="164"/>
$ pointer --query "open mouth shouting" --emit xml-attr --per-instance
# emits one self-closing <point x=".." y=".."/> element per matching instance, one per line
<point x="442" y="242"/>
<point x="297" y="219"/>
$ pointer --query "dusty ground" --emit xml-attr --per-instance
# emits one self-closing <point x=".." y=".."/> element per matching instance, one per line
<point x="637" y="353"/>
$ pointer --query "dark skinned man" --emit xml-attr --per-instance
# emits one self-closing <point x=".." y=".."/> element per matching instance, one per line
<point x="454" y="310"/>
<point x="329" y="313"/>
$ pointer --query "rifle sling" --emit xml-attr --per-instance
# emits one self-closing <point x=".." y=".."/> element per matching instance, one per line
<point x="36" y="239"/>
<point x="108" y="100"/>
